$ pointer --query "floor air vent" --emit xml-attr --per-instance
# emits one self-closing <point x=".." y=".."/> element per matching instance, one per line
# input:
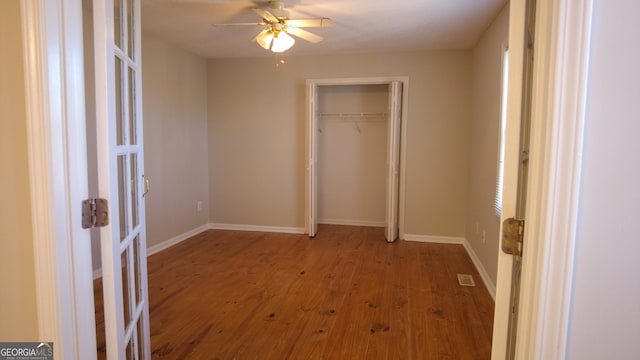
<point x="466" y="280"/>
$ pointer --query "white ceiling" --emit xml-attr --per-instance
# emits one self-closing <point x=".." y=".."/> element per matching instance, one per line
<point x="361" y="25"/>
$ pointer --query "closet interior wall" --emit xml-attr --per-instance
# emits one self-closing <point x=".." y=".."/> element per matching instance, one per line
<point x="352" y="154"/>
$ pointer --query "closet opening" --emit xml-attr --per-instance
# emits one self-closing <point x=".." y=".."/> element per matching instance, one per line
<point x="355" y="153"/>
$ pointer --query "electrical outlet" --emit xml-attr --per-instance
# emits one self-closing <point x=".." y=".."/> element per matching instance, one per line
<point x="199" y="206"/>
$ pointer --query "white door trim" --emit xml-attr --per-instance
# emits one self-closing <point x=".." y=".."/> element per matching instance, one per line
<point x="314" y="83"/>
<point x="54" y="86"/>
<point x="558" y="116"/>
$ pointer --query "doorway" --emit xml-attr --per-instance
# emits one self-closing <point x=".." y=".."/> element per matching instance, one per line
<point x="552" y="300"/>
<point x="352" y="149"/>
<point x="339" y="107"/>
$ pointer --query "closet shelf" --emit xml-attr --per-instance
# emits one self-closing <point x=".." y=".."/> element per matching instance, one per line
<point x="355" y="116"/>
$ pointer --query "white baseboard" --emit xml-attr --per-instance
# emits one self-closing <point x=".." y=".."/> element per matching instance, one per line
<point x="176" y="239"/>
<point x="434" y="239"/>
<point x="275" y="229"/>
<point x="481" y="270"/>
<point x="352" y="222"/>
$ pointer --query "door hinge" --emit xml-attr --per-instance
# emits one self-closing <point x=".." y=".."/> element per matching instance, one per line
<point x="512" y="236"/>
<point x="95" y="213"/>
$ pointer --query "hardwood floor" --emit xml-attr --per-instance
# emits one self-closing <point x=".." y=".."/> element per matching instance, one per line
<point x="346" y="294"/>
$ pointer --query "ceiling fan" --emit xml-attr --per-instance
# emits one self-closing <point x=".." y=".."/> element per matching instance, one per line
<point x="278" y="27"/>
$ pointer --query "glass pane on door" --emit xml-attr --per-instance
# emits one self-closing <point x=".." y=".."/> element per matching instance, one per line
<point x="132" y="107"/>
<point x="124" y="258"/>
<point x="131" y="29"/>
<point x="136" y="270"/>
<point x="139" y="340"/>
<point x="118" y="100"/>
<point x="117" y="22"/>
<point x="131" y="355"/>
<point x="122" y="205"/>
<point x="134" y="190"/>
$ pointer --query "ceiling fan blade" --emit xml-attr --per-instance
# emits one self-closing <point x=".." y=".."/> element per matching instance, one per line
<point x="241" y="24"/>
<point x="304" y="34"/>
<point x="320" y="22"/>
<point x="267" y="16"/>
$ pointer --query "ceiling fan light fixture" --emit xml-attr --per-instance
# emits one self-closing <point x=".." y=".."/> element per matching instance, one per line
<point x="278" y="28"/>
<point x="265" y="38"/>
<point x="282" y="42"/>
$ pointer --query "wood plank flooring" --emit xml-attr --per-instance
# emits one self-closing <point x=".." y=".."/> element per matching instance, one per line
<point x="346" y="294"/>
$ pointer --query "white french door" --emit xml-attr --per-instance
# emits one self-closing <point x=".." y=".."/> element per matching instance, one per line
<point x="121" y="180"/>
<point x="393" y="160"/>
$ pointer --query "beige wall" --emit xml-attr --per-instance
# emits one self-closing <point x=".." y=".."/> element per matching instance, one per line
<point x="485" y="142"/>
<point x="257" y="135"/>
<point x="18" y="318"/>
<point x="175" y="140"/>
<point x="352" y="155"/>
<point x="606" y="288"/>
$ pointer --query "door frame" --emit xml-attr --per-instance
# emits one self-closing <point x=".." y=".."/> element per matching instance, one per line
<point x="56" y="132"/>
<point x="312" y="102"/>
<point x="558" y="115"/>
<point x="56" y="138"/>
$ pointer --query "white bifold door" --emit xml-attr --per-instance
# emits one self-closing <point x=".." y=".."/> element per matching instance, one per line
<point x="393" y="161"/>
<point x="312" y="159"/>
<point x="120" y="173"/>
